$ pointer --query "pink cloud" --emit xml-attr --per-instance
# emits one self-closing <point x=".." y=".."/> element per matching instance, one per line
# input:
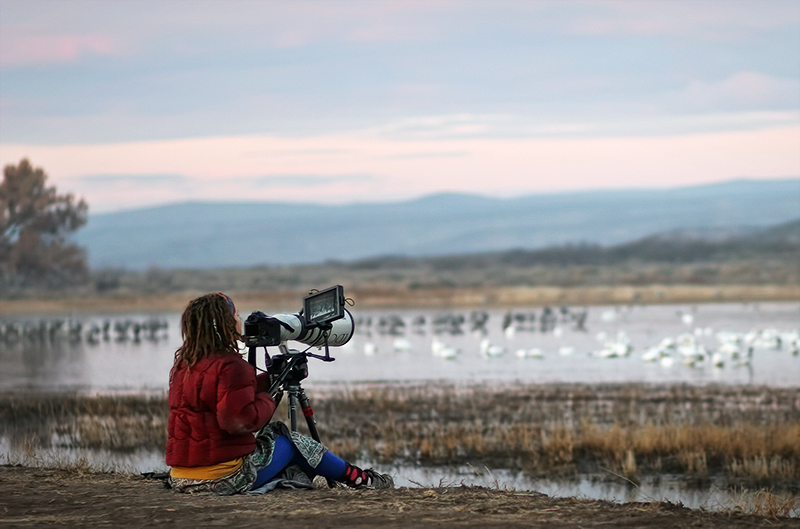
<point x="43" y="49"/>
<point x="355" y="168"/>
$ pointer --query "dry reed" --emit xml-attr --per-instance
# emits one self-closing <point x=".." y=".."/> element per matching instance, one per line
<point x="768" y="504"/>
<point x="739" y="432"/>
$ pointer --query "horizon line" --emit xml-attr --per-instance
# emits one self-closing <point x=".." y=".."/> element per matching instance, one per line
<point x="565" y="192"/>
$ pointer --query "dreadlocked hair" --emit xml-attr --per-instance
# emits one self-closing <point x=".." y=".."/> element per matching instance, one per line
<point x="208" y="326"/>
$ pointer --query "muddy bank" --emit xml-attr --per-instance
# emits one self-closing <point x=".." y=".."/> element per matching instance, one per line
<point x="74" y="498"/>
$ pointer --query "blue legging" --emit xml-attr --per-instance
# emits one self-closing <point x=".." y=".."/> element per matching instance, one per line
<point x="285" y="453"/>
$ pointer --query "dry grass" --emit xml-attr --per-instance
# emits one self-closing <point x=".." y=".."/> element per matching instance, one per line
<point x="52" y="422"/>
<point x="765" y="503"/>
<point x="764" y="468"/>
<point x="747" y="450"/>
<point x="750" y="435"/>
<point x="32" y="455"/>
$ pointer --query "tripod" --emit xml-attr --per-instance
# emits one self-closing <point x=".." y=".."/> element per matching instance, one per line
<point x="289" y="369"/>
<point x="286" y="371"/>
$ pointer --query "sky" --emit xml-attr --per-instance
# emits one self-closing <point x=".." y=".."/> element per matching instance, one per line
<point x="138" y="103"/>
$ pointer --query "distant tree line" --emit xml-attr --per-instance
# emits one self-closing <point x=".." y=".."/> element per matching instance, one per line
<point x="781" y="242"/>
<point x="756" y="260"/>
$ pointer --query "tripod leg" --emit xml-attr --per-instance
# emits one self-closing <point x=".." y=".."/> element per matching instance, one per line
<point x="293" y="411"/>
<point x="308" y="413"/>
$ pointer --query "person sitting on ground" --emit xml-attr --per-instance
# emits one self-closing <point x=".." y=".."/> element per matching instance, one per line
<point x="219" y="436"/>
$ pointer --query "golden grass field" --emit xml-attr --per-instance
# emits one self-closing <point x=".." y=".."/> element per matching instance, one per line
<point x="750" y="436"/>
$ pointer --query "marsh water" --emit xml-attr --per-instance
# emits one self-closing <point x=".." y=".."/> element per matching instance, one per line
<point x="754" y="343"/>
<point x="732" y="343"/>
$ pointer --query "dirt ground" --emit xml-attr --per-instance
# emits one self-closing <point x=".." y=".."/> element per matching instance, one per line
<point x="31" y="497"/>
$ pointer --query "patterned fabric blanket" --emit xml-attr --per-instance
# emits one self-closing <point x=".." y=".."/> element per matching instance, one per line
<point x="241" y="480"/>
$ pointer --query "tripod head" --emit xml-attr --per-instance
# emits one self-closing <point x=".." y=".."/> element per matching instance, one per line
<point x="290" y="367"/>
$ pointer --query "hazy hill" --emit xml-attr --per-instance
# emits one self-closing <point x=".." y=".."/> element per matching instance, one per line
<point x="214" y="235"/>
<point x="780" y="243"/>
<point x="763" y="256"/>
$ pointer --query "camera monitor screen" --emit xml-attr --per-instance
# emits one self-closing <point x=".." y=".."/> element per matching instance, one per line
<point x="324" y="306"/>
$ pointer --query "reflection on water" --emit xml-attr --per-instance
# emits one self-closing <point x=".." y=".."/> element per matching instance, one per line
<point x="133" y="461"/>
<point x="729" y="343"/>
<point x="662" y="488"/>
<point x="98" y="353"/>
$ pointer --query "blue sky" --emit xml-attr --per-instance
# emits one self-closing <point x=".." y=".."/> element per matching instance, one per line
<point x="133" y="103"/>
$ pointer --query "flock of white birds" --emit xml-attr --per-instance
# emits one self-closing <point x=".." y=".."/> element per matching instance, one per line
<point x="690" y="348"/>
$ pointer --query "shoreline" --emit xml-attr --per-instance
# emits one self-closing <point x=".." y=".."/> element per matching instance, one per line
<point x="32" y="497"/>
<point x="434" y="298"/>
<point x="531" y="428"/>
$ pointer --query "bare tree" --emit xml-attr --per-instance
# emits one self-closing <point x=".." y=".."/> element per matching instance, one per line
<point x="34" y="223"/>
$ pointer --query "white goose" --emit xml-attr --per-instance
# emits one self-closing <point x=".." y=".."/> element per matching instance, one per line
<point x="488" y="349"/>
<point x="534" y="352"/>
<point x="442" y="350"/>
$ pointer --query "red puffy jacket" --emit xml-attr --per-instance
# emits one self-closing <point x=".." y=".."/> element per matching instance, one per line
<point x="214" y="408"/>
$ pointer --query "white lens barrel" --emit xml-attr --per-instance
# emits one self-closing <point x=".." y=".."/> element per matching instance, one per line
<point x="340" y="333"/>
<point x="293" y="321"/>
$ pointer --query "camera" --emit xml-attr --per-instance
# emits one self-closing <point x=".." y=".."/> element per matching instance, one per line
<point x="292" y="367"/>
<point x="324" y="320"/>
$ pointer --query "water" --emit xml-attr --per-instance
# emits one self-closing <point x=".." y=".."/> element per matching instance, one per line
<point x="566" y="353"/>
<point x="660" y="488"/>
<point x="72" y="353"/>
<point x="388" y="346"/>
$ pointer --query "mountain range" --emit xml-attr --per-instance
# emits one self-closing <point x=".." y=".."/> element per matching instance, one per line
<point x="205" y="235"/>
